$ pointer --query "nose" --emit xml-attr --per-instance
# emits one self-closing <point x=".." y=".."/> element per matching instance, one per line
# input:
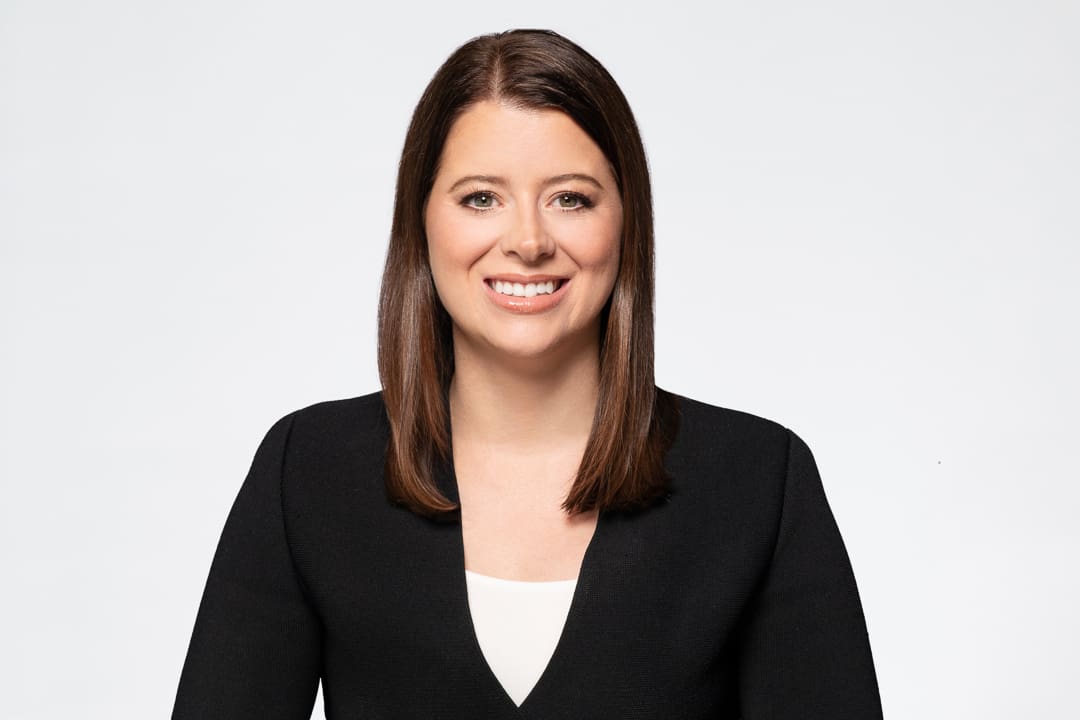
<point x="527" y="237"/>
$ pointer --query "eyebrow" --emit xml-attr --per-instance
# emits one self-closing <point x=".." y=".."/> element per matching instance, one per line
<point x="496" y="180"/>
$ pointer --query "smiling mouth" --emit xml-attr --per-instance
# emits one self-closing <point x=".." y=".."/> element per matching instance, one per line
<point x="531" y="289"/>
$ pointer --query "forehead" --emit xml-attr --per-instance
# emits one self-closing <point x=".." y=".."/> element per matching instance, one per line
<point x="497" y="138"/>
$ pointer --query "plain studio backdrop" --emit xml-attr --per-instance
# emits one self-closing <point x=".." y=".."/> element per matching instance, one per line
<point x="876" y="202"/>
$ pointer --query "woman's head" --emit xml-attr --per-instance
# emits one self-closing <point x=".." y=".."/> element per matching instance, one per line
<point x="523" y="202"/>
<point x="510" y="77"/>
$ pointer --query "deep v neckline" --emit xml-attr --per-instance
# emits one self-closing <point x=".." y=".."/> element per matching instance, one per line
<point x="584" y="593"/>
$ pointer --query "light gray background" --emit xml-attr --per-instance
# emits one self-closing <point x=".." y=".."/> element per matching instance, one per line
<point x="866" y="230"/>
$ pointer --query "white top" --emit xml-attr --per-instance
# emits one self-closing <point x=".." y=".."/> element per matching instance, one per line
<point x="518" y="624"/>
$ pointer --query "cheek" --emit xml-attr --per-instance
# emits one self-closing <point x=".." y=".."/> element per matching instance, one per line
<point x="596" y="249"/>
<point x="454" y="245"/>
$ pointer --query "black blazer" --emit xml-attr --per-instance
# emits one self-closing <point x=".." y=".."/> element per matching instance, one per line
<point x="733" y="598"/>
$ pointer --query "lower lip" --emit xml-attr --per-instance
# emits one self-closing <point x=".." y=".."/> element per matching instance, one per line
<point x="534" y="304"/>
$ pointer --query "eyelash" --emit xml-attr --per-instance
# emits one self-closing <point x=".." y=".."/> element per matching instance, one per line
<point x="584" y="203"/>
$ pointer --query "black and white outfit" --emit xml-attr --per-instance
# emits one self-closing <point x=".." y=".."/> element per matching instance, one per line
<point x="732" y="598"/>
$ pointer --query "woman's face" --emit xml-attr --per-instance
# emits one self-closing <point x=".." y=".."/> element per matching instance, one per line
<point x="523" y="226"/>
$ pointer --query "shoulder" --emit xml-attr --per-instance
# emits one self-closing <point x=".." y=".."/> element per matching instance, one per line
<point x="702" y="423"/>
<point x="367" y="407"/>
<point x="325" y="453"/>
<point x="330" y="427"/>
<point x="359" y="411"/>
<point x="725" y="451"/>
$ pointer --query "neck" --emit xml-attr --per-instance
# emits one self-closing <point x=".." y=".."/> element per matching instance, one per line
<point x="524" y="403"/>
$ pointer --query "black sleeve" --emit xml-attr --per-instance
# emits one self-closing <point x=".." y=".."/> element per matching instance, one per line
<point x="805" y="654"/>
<point x="256" y="646"/>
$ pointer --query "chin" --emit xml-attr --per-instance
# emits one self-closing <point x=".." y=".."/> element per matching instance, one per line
<point x="525" y="350"/>
<point x="526" y="345"/>
<point x="521" y="342"/>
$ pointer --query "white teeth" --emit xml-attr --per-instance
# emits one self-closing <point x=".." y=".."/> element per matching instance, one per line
<point x="524" y="290"/>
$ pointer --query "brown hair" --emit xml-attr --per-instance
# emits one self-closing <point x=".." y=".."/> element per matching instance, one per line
<point x="622" y="467"/>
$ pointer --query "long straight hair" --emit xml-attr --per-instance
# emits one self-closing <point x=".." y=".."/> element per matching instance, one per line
<point x="634" y="422"/>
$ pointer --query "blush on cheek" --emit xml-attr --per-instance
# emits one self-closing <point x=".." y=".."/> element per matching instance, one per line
<point x="599" y="258"/>
<point x="457" y="238"/>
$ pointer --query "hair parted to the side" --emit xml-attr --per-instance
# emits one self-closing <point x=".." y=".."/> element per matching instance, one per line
<point x="634" y="424"/>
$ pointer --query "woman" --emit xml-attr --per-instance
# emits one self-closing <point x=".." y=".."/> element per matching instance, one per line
<point x="647" y="555"/>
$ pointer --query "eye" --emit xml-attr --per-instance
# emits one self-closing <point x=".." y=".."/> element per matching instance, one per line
<point x="571" y="201"/>
<point x="480" y="200"/>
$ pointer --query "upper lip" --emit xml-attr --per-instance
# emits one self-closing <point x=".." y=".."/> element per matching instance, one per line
<point x="524" y="279"/>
